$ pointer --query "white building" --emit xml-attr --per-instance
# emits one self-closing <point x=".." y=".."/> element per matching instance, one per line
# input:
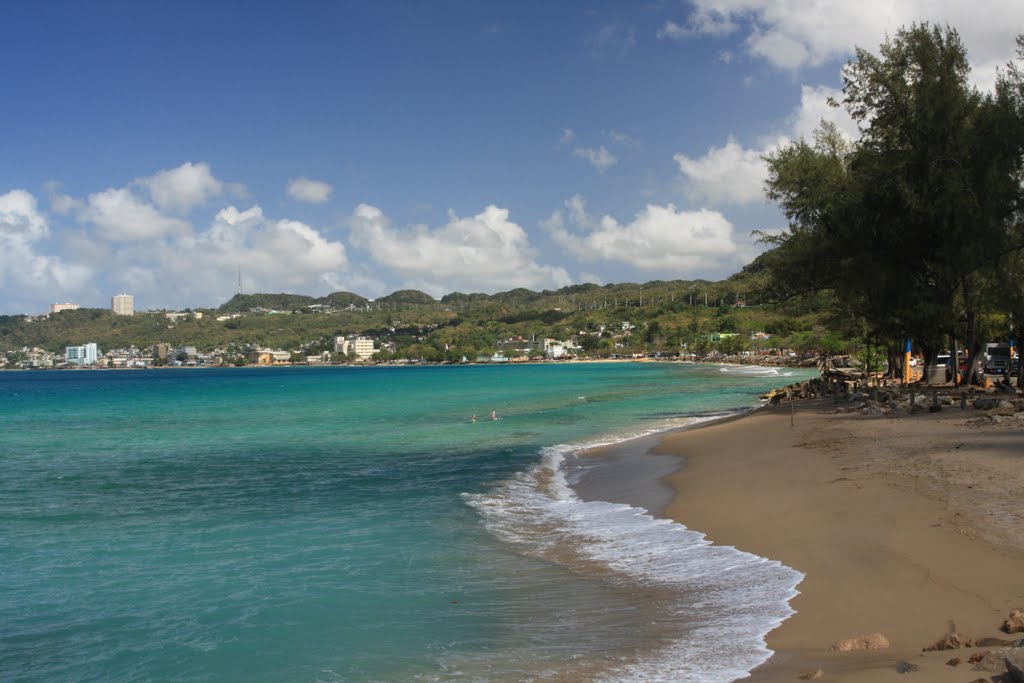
<point x="362" y="347"/>
<point x="122" y="304"/>
<point x="57" y="308"/>
<point x="87" y="354"/>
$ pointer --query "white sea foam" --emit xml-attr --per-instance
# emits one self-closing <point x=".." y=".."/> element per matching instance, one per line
<point x="756" y="371"/>
<point x="728" y="600"/>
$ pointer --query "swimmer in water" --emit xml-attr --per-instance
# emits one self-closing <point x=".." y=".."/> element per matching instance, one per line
<point x="494" y="414"/>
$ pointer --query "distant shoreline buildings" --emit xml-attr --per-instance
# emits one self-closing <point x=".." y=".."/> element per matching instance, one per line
<point x="86" y="354"/>
<point x="57" y="308"/>
<point x="122" y="304"/>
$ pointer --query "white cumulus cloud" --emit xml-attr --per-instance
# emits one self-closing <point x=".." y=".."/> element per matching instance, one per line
<point x="122" y="216"/>
<point x="201" y="268"/>
<point x="484" y="252"/>
<point x="312" y="191"/>
<point x="660" y="238"/>
<point x="600" y="158"/>
<point x="729" y="173"/>
<point x="792" y="34"/>
<point x="183" y="188"/>
<point x="735" y="174"/>
<point x="28" y="277"/>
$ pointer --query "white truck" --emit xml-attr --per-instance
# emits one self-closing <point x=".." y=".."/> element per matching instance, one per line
<point x="997" y="358"/>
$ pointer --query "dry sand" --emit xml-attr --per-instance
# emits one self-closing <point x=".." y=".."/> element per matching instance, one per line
<point x="910" y="527"/>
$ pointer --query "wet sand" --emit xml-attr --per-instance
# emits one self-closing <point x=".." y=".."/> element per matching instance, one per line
<point x="912" y="527"/>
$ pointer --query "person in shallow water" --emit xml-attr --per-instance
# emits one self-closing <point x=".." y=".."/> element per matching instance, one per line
<point x="494" y="414"/>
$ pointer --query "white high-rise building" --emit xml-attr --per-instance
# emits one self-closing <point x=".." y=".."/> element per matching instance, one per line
<point x="362" y="347"/>
<point x="122" y="304"/>
<point x="86" y="354"/>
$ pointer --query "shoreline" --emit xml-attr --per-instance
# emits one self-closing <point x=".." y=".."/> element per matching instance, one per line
<point x="905" y="526"/>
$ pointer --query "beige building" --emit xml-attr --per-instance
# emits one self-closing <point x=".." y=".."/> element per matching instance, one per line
<point x="122" y="304"/>
<point x="362" y="347"/>
<point x="57" y="308"/>
<point x="268" y="357"/>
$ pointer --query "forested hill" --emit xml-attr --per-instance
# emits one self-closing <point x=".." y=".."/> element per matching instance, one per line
<point x="653" y="316"/>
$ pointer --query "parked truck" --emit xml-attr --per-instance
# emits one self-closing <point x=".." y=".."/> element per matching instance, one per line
<point x="997" y="359"/>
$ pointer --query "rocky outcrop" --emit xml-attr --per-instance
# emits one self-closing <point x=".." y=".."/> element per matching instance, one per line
<point x="1009" y="661"/>
<point x="1014" y="623"/>
<point x="1014" y="670"/>
<point x="952" y="641"/>
<point x="871" y="641"/>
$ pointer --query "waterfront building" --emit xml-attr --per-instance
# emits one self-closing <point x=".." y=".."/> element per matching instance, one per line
<point x="57" y="308"/>
<point x="86" y="354"/>
<point x="122" y="304"/>
<point x="362" y="347"/>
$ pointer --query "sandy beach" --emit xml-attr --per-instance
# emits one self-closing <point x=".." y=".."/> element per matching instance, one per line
<point x="912" y="527"/>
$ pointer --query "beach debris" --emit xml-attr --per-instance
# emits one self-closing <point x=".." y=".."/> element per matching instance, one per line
<point x="950" y="641"/>
<point x="977" y="657"/>
<point x="954" y="662"/>
<point x="811" y="675"/>
<point x="871" y="641"/>
<point x="905" y="667"/>
<point x="1014" y="623"/>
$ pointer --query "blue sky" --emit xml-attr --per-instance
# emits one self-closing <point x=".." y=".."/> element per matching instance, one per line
<point x="158" y="148"/>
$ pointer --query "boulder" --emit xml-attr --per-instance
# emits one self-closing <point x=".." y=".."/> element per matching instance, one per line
<point x="1014" y="670"/>
<point x="952" y="641"/>
<point x="986" y="403"/>
<point x="953" y="662"/>
<point x="871" y="641"/>
<point x="977" y="657"/>
<point x="993" y="642"/>
<point x="1014" y="623"/>
<point x="1005" y="408"/>
<point x="906" y="667"/>
<point x="1001" y="662"/>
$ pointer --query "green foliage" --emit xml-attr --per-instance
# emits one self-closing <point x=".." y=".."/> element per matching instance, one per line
<point x="468" y="325"/>
<point x="405" y="296"/>
<point x="269" y="302"/>
<point x="906" y="227"/>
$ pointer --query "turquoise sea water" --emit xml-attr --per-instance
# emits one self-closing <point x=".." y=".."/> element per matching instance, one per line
<point x="353" y="524"/>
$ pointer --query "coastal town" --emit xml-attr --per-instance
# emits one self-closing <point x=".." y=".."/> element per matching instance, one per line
<point x="645" y="336"/>
<point x="605" y="342"/>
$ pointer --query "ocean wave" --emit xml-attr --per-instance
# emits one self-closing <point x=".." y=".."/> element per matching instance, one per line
<point x="756" y="371"/>
<point x="722" y="602"/>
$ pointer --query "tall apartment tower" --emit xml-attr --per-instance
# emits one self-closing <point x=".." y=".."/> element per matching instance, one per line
<point x="122" y="304"/>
